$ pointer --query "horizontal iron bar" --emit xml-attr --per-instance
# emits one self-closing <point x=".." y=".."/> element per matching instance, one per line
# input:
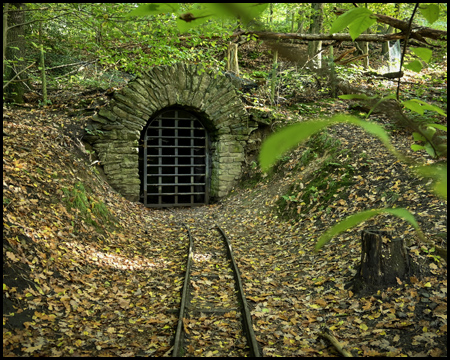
<point x="174" y="137"/>
<point x="172" y="193"/>
<point x="176" y="165"/>
<point x="176" y="146"/>
<point x="174" y="128"/>
<point x="178" y="175"/>
<point x="175" y="204"/>
<point x="176" y="156"/>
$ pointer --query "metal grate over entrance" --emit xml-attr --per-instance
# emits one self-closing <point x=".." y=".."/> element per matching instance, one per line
<point x="176" y="158"/>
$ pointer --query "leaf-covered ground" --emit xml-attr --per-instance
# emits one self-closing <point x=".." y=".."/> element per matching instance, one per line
<point x="86" y="272"/>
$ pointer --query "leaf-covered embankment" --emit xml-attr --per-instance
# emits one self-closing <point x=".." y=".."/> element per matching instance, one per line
<point x="85" y="272"/>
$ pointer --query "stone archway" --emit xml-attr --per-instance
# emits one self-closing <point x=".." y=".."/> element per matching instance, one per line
<point x="115" y="131"/>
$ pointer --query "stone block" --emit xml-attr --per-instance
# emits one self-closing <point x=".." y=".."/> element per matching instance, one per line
<point x="171" y="95"/>
<point x="113" y="126"/>
<point x="134" y="95"/>
<point x="100" y="119"/>
<point x="105" y="113"/>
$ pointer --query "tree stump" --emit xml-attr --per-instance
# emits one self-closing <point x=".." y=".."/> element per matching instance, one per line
<point x="383" y="261"/>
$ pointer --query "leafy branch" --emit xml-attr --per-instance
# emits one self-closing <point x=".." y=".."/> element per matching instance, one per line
<point x="358" y="20"/>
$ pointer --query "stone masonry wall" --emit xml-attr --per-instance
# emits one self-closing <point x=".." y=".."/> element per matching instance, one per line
<point x="115" y="131"/>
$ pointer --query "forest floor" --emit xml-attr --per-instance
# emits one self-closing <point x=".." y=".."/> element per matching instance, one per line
<point x="88" y="273"/>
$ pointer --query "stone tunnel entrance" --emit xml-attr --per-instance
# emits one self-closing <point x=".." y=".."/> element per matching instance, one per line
<point x="174" y="160"/>
<point x="174" y="136"/>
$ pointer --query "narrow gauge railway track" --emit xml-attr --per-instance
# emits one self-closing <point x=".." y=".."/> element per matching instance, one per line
<point x="214" y="318"/>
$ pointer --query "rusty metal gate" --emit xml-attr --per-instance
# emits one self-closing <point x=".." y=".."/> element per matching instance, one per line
<point x="176" y="169"/>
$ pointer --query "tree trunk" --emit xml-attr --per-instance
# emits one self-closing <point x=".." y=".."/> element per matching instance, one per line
<point x="385" y="45"/>
<point x="5" y="33"/>
<point x="333" y="81"/>
<point x="384" y="261"/>
<point x="270" y="16"/>
<point x="15" y="50"/>
<point x="232" y="61"/>
<point x="42" y="60"/>
<point x="315" y="47"/>
<point x="365" y="50"/>
<point x="273" y="80"/>
<point x="301" y="21"/>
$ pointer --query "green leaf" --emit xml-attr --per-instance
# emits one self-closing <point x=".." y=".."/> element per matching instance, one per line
<point x="245" y="11"/>
<point x="418" y="137"/>
<point x="413" y="106"/>
<point x="423" y="53"/>
<point x="358" y="218"/>
<point x="347" y="18"/>
<point x="414" y="65"/>
<point x="287" y="138"/>
<point x="361" y="24"/>
<point x="154" y="9"/>
<point x="419" y="106"/>
<point x="438" y="126"/>
<point x="357" y="19"/>
<point x="439" y="173"/>
<point x="430" y="12"/>
<point x="429" y="132"/>
<point x="416" y="147"/>
<point x="430" y="150"/>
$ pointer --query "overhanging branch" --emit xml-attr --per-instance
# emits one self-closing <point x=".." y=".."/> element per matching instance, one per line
<point x="264" y="35"/>
<point x="418" y="32"/>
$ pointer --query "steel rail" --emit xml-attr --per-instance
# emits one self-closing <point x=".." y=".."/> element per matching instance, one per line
<point x="246" y="316"/>
<point x="247" y="319"/>
<point x="184" y="296"/>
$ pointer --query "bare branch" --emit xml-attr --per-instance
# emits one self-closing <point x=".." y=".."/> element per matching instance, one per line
<point x="264" y="35"/>
<point x="4" y="86"/>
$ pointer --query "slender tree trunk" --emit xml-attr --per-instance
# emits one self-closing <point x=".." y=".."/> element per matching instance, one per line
<point x="314" y="47"/>
<point x="5" y="34"/>
<point x="43" y="77"/>
<point x="232" y="62"/>
<point x="273" y="81"/>
<point x="292" y="21"/>
<point x="15" y="50"/>
<point x="301" y="21"/>
<point x="270" y="15"/>
<point x="385" y="45"/>
<point x="365" y="50"/>
<point x="332" y="73"/>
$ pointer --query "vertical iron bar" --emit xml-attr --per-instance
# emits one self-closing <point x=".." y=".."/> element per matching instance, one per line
<point x="160" y="162"/>
<point x="207" y="167"/>
<point x="145" y="163"/>
<point x="192" y="152"/>
<point x="176" y="159"/>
